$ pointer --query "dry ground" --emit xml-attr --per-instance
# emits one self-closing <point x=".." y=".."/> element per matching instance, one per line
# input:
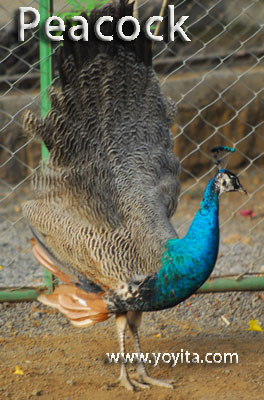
<point x="63" y="363"/>
<point x="74" y="367"/>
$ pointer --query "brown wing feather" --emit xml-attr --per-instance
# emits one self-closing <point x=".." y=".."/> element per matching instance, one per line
<point x="104" y="198"/>
<point x="81" y="308"/>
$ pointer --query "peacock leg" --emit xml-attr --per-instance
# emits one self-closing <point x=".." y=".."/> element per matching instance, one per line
<point x="134" y="320"/>
<point x="123" y="380"/>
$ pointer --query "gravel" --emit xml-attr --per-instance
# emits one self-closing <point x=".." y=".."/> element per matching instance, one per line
<point x="19" y="266"/>
<point x="200" y="315"/>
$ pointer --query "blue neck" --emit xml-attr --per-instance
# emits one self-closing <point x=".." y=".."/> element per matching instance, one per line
<point x="188" y="262"/>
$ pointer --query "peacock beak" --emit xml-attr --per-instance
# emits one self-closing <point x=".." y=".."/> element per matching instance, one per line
<point x="241" y="189"/>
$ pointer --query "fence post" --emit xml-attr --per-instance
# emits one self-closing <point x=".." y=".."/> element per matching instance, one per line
<point x="45" y="52"/>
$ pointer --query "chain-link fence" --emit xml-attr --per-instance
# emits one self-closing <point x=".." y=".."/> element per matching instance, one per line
<point x="217" y="81"/>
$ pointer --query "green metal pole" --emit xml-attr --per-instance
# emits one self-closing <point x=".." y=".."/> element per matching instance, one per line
<point x="233" y="284"/>
<point x="45" y="52"/>
<point x="16" y="295"/>
<point x="28" y="294"/>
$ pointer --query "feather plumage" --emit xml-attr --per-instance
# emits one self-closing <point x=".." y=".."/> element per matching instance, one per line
<point x="100" y="217"/>
<point x="111" y="170"/>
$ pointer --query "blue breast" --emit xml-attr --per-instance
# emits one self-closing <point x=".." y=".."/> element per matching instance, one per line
<point x="187" y="263"/>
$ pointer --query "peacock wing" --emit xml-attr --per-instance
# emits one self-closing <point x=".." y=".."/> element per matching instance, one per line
<point x="104" y="197"/>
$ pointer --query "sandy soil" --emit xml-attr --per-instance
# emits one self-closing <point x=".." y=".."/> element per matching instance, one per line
<point x="74" y="367"/>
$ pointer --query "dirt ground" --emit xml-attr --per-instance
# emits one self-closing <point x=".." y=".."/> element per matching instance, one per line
<point x="74" y="367"/>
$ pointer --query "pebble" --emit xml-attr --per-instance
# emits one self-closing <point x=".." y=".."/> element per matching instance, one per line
<point x="37" y="314"/>
<point x="37" y="392"/>
<point x="70" y="382"/>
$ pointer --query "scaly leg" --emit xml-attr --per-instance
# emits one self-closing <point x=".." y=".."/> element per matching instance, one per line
<point x="134" y="320"/>
<point x="124" y="380"/>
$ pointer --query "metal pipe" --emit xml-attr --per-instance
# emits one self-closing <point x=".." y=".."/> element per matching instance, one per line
<point x="45" y="51"/>
<point x="17" y="294"/>
<point x="215" y="285"/>
<point x="233" y="284"/>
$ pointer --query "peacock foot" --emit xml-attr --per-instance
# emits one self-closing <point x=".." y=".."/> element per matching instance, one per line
<point x="129" y="384"/>
<point x="148" y="380"/>
<point x="142" y="381"/>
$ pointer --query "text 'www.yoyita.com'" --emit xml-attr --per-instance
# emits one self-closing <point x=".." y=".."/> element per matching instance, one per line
<point x="184" y="356"/>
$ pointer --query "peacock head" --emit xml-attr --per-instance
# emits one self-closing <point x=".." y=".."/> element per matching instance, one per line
<point x="225" y="181"/>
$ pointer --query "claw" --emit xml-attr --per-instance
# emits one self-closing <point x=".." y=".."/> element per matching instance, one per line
<point x="141" y="385"/>
<point x="125" y="382"/>
<point x="144" y="382"/>
<point x="155" y="382"/>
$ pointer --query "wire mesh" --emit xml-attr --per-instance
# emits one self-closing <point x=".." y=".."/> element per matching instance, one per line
<point x="217" y="82"/>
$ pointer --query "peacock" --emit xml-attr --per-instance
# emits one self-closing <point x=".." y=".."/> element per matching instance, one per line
<point x="100" y="216"/>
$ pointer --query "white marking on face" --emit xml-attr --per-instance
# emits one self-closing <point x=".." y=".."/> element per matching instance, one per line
<point x="225" y="184"/>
